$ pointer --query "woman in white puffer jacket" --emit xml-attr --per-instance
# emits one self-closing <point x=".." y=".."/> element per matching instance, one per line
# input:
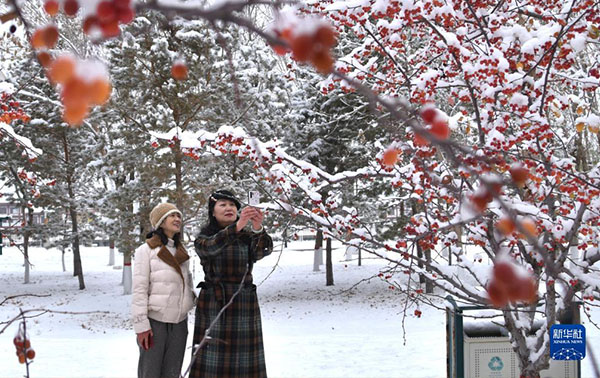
<point x="162" y="295"/>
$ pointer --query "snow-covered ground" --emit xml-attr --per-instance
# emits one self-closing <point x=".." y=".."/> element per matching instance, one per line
<point x="310" y="330"/>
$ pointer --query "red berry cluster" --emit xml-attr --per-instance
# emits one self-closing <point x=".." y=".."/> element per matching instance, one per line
<point x="109" y="15"/>
<point x="106" y="19"/>
<point x="24" y="350"/>
<point x="313" y="47"/>
<point x="78" y="93"/>
<point x="509" y="286"/>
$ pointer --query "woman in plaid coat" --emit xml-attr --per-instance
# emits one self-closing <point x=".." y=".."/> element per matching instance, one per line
<point x="227" y="252"/>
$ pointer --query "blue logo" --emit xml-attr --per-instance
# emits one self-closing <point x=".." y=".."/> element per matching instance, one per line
<point x="567" y="342"/>
<point x="496" y="364"/>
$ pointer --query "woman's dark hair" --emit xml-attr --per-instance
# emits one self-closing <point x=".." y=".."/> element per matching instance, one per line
<point x="212" y="227"/>
<point x="164" y="238"/>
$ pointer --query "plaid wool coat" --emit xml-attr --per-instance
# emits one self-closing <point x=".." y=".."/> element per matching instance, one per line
<point x="236" y="345"/>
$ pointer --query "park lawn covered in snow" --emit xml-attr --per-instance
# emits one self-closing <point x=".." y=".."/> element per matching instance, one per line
<point x="310" y="330"/>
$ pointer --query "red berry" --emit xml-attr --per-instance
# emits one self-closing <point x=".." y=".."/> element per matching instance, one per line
<point x="51" y="7"/>
<point x="325" y="36"/>
<point x="420" y="141"/>
<point x="301" y="47"/>
<point x="50" y="36"/>
<point x="519" y="173"/>
<point x="125" y="15"/>
<point x="106" y="11"/>
<point x="504" y="272"/>
<point x="390" y="156"/>
<point x="70" y="7"/>
<point x="30" y="354"/>
<point x="280" y="49"/>
<point x="428" y="114"/>
<point x="497" y="294"/>
<point x="179" y="71"/>
<point x="110" y="28"/>
<point x="505" y="226"/>
<point x="122" y="4"/>
<point x="322" y="61"/>
<point x="440" y="128"/>
<point x="89" y="23"/>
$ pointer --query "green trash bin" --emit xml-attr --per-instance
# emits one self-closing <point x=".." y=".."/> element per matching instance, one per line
<point x="481" y="349"/>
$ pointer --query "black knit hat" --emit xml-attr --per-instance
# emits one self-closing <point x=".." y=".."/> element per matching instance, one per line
<point x="222" y="195"/>
<point x="213" y="226"/>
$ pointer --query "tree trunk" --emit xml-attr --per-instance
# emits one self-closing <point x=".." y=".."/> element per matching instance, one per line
<point x="318" y="256"/>
<point x="422" y="279"/>
<point x="179" y="200"/>
<point x="428" y="283"/>
<point x="127" y="277"/>
<point x="77" y="268"/>
<point x="63" y="258"/>
<point x="76" y="254"/>
<point x="328" y="265"/>
<point x="359" y="256"/>
<point x="26" y="235"/>
<point x="111" y="251"/>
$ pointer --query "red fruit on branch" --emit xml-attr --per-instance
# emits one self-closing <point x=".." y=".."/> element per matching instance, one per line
<point x="505" y="226"/>
<point x="428" y="114"/>
<point x="419" y="141"/>
<point x="44" y="58"/>
<point x="106" y="11"/>
<point x="480" y="199"/>
<point x="504" y="272"/>
<point x="519" y="173"/>
<point x="301" y="47"/>
<point x="325" y="36"/>
<point x="530" y="227"/>
<point x="390" y="156"/>
<point x="89" y="23"/>
<point x="51" y="7"/>
<point x="61" y="69"/>
<point x="125" y="15"/>
<point x="439" y="128"/>
<point x="18" y="341"/>
<point x="30" y="353"/>
<point x="179" y="71"/>
<point x="497" y="294"/>
<point x="70" y="7"/>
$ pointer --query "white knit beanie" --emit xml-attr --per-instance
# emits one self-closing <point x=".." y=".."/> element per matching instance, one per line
<point x="160" y="212"/>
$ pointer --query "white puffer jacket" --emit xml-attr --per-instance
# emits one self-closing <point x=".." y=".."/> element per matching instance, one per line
<point x="161" y="291"/>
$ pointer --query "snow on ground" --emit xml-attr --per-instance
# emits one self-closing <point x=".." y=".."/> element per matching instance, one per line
<point x="310" y="330"/>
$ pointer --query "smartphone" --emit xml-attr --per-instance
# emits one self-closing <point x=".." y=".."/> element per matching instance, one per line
<point x="253" y="198"/>
<point x="150" y="341"/>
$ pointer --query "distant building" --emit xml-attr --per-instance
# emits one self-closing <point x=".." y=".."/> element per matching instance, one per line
<point x="15" y="216"/>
